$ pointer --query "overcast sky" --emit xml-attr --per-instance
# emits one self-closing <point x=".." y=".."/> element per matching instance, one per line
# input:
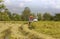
<point x="34" y="5"/>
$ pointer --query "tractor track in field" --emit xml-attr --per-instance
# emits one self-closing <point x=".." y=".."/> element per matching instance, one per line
<point x="21" y="31"/>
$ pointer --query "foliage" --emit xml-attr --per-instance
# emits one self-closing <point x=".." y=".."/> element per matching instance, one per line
<point x="2" y="6"/>
<point x="26" y="13"/>
<point x="39" y="16"/>
<point x="15" y="17"/>
<point x="4" y="17"/>
<point x="1" y="0"/>
<point x="47" y="16"/>
<point x="57" y="17"/>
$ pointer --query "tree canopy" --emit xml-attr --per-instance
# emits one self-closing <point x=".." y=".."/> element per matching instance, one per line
<point x="26" y="13"/>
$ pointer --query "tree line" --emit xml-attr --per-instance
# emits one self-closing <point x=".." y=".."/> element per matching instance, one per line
<point x="6" y="15"/>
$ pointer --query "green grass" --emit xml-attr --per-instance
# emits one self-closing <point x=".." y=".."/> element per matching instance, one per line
<point x="48" y="27"/>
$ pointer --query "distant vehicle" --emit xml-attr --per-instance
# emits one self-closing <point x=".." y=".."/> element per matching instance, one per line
<point x="35" y="20"/>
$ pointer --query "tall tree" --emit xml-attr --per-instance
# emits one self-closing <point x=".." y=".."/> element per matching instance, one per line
<point x="47" y="16"/>
<point x="26" y="13"/>
<point x="3" y="15"/>
<point x="39" y="16"/>
<point x="57" y="17"/>
<point x="1" y="1"/>
<point x="2" y="6"/>
<point x="8" y="12"/>
<point x="16" y="17"/>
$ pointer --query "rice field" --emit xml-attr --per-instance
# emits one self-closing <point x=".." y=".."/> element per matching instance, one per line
<point x="51" y="28"/>
<point x="20" y="30"/>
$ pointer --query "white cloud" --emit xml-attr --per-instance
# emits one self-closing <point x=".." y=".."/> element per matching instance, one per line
<point x="57" y="7"/>
<point x="51" y="3"/>
<point x="56" y="4"/>
<point x="21" y="5"/>
<point x="7" y="2"/>
<point x="27" y="0"/>
<point x="44" y="3"/>
<point x="14" y="9"/>
<point x="23" y="2"/>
